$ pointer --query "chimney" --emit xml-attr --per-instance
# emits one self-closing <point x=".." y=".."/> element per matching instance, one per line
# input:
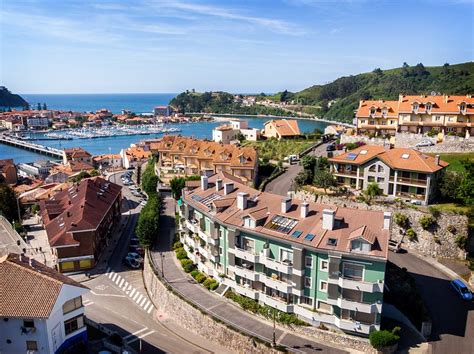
<point x="387" y="219"/>
<point x="437" y="160"/>
<point x="218" y="184"/>
<point x="285" y="204"/>
<point x="328" y="219"/>
<point x="304" y="209"/>
<point x="29" y="262"/>
<point x="68" y="214"/>
<point x="242" y="200"/>
<point x="228" y="188"/>
<point x="203" y="183"/>
<point x="400" y="98"/>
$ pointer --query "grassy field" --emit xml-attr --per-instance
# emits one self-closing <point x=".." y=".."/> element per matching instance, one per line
<point x="278" y="149"/>
<point x="455" y="160"/>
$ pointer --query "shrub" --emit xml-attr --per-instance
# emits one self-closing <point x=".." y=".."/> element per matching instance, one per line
<point x="323" y="327"/>
<point x="214" y="285"/>
<point x="426" y="221"/>
<point x="401" y="220"/>
<point x="194" y="273"/>
<point x="433" y="211"/>
<point x="207" y="282"/>
<point x="181" y="253"/>
<point x="461" y="241"/>
<point x="200" y="277"/>
<point x="187" y="264"/>
<point x="177" y="244"/>
<point x="411" y="234"/>
<point x="381" y="339"/>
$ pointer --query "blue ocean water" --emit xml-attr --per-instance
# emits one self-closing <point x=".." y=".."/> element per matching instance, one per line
<point x="115" y="102"/>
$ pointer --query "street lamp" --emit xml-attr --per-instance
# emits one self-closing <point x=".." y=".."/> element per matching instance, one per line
<point x="162" y="256"/>
<point x="274" y="328"/>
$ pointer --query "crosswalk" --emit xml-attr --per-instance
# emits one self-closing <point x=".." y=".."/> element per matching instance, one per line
<point x="141" y="333"/>
<point x="140" y="299"/>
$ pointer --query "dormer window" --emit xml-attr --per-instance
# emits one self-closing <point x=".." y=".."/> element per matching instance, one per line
<point x="243" y="159"/>
<point x="360" y="245"/>
<point x="428" y="107"/>
<point x="373" y="110"/>
<point x="462" y="107"/>
<point x="415" y="107"/>
<point x="384" y="111"/>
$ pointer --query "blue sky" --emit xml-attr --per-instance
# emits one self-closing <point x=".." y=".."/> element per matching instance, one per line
<point x="238" y="46"/>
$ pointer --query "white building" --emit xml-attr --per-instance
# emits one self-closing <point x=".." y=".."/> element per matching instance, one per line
<point x="41" y="309"/>
<point x="228" y="133"/>
<point x="37" y="122"/>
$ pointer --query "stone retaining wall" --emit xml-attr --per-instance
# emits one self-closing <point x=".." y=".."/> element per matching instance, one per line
<point x="435" y="242"/>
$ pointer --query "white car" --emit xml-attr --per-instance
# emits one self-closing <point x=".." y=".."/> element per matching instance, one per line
<point x="424" y="143"/>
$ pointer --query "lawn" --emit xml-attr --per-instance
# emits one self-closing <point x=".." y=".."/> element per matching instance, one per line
<point x="454" y="160"/>
<point x="278" y="149"/>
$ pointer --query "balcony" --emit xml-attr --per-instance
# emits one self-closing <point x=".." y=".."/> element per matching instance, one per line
<point x="246" y="291"/>
<point x="410" y="195"/>
<point x="414" y="181"/>
<point x="191" y="255"/>
<point x="284" y="267"/>
<point x="355" y="326"/>
<point x="355" y="305"/>
<point x="346" y="172"/>
<point x="306" y="312"/>
<point x="203" y="252"/>
<point x="277" y="303"/>
<point x="245" y="273"/>
<point x="352" y="284"/>
<point x="248" y="255"/>
<point x="192" y="225"/>
<point x="276" y="284"/>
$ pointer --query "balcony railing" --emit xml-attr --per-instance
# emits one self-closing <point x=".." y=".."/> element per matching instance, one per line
<point x="352" y="284"/>
<point x="245" y="273"/>
<point x="419" y="182"/>
<point x="346" y="172"/>
<point x="284" y="267"/>
<point x="348" y="304"/>
<point x="410" y="195"/>
<point x="246" y="254"/>
<point x="276" y="284"/>
<point x="355" y="326"/>
<point x="277" y="303"/>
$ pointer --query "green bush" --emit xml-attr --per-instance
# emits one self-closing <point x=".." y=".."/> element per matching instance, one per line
<point x="426" y="221"/>
<point x="177" y="245"/>
<point x="181" y="253"/>
<point x="214" y="285"/>
<point x="187" y="265"/>
<point x="207" y="283"/>
<point x="411" y="234"/>
<point x="461" y="241"/>
<point x="401" y="220"/>
<point x="194" y="273"/>
<point x="451" y="229"/>
<point x="381" y="339"/>
<point x="200" y="278"/>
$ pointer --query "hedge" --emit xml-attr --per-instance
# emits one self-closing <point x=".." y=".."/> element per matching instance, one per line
<point x="381" y="339"/>
<point x="181" y="253"/>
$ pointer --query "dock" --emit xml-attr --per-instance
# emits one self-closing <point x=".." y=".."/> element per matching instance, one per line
<point x="26" y="145"/>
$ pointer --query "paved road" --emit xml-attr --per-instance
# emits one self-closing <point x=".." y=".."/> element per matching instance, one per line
<point x="119" y="301"/>
<point x="215" y="304"/>
<point x="453" y="318"/>
<point x="282" y="184"/>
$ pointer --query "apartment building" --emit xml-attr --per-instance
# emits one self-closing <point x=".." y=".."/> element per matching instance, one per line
<point x="401" y="173"/>
<point x="79" y="222"/>
<point x="183" y="156"/>
<point x="417" y="114"/>
<point x="41" y="309"/>
<point x="325" y="264"/>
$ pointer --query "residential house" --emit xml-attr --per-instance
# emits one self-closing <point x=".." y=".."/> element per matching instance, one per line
<point x="134" y="156"/>
<point x="8" y="172"/>
<point x="281" y="129"/>
<point x="38" y="169"/>
<point x="325" y="264"/>
<point x="400" y="173"/>
<point x="417" y="114"/>
<point x="77" y="154"/>
<point x="107" y="161"/>
<point x="42" y="310"/>
<point x="79" y="222"/>
<point x="336" y="130"/>
<point x="229" y="133"/>
<point x="178" y="155"/>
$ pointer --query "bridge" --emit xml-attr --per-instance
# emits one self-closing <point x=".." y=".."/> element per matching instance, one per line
<point x="40" y="149"/>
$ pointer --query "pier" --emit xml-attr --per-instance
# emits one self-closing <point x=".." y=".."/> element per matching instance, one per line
<point x="40" y="149"/>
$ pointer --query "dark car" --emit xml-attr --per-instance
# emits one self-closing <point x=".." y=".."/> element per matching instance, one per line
<point x="461" y="289"/>
<point x="139" y="250"/>
<point x="331" y="147"/>
<point x="131" y="262"/>
<point x="134" y="242"/>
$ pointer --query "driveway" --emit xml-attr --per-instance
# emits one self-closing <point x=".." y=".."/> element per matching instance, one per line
<point x="453" y="318"/>
<point x="282" y="184"/>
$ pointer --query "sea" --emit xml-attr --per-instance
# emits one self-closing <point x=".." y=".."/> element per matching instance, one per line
<point x="137" y="103"/>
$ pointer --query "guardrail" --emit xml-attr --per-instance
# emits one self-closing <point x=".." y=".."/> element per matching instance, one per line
<point x="213" y="315"/>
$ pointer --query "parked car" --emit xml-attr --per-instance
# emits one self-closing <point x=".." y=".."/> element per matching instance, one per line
<point x="461" y="288"/>
<point x="143" y="203"/>
<point x="331" y="147"/>
<point x="134" y="242"/>
<point x="394" y="246"/>
<point x="424" y="143"/>
<point x="135" y="256"/>
<point x="416" y="202"/>
<point x="135" y="249"/>
<point x="131" y="262"/>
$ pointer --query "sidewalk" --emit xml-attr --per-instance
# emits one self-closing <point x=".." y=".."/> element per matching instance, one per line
<point x="220" y="307"/>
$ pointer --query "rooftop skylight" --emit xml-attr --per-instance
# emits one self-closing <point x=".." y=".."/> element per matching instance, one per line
<point x="296" y="234"/>
<point x="405" y="156"/>
<point x="332" y="241"/>
<point x="351" y="156"/>
<point x="309" y="237"/>
<point x="281" y="224"/>
<point x="363" y="152"/>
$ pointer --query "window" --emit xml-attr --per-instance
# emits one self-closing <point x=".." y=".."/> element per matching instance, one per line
<point x="462" y="107"/>
<point x="372" y="110"/>
<point x="324" y="307"/>
<point x="307" y="282"/>
<point x="324" y="265"/>
<point x="353" y="271"/>
<point x="380" y="169"/>
<point x="305" y="300"/>
<point x="73" y="324"/>
<point x="31" y="345"/>
<point x="28" y="323"/>
<point x="362" y="121"/>
<point x="72" y="304"/>
<point x="373" y="168"/>
<point x="428" y="107"/>
<point x="67" y="265"/>
<point x="380" y="180"/>
<point x="286" y="256"/>
<point x="323" y="286"/>
<point x="85" y="263"/>
<point x="332" y="241"/>
<point x="360" y="245"/>
<point x="437" y="118"/>
<point x="308" y="262"/>
<point x="248" y="245"/>
<point x="415" y="106"/>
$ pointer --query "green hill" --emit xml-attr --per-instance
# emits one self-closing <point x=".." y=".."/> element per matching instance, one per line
<point x="338" y="99"/>
<point x="9" y="100"/>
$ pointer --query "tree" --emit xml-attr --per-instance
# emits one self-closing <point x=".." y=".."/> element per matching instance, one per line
<point x="308" y="162"/>
<point x="303" y="178"/>
<point x="94" y="173"/>
<point x="177" y="185"/>
<point x="38" y="106"/>
<point x="45" y="107"/>
<point x="324" y="179"/>
<point x="373" y="190"/>
<point x="79" y="177"/>
<point x="378" y="72"/>
<point x="148" y="221"/>
<point x="8" y="204"/>
<point x="149" y="179"/>
<point x="284" y="96"/>
<point x="449" y="185"/>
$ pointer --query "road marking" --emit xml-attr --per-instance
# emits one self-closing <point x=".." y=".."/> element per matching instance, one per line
<point x="114" y="276"/>
<point x="150" y="309"/>
<point x="121" y="282"/>
<point x="133" y="292"/>
<point x="136" y="295"/>
<point x="135" y="333"/>
<point x="139" y="298"/>
<point x="142" y="302"/>
<point x="140" y="337"/>
<point x="87" y="303"/>
<point x="147" y="305"/>
<point x="125" y="285"/>
<point x="93" y="293"/>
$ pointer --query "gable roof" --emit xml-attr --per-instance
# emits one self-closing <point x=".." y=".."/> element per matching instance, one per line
<point x="285" y="127"/>
<point x="29" y="291"/>
<point x="371" y="151"/>
<point x="364" y="233"/>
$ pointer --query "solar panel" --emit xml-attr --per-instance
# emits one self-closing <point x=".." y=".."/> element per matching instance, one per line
<point x="196" y="197"/>
<point x="281" y="224"/>
<point x="309" y="237"/>
<point x="351" y="156"/>
<point x="296" y="234"/>
<point x="209" y="199"/>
